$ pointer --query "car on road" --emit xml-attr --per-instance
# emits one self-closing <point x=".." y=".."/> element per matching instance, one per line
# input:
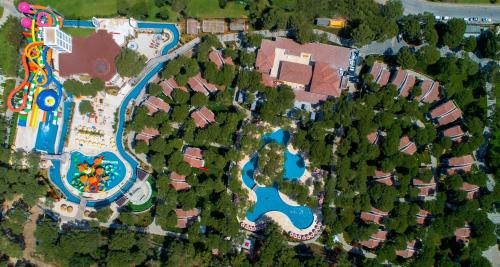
<point x="486" y="20"/>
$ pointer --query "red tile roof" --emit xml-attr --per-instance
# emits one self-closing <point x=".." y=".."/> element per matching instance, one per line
<point x="295" y="72"/>
<point x="169" y="85"/>
<point x="422" y="216"/>
<point x="373" y="137"/>
<point x="443" y="109"/>
<point x="376" y="69"/>
<point x="380" y="235"/>
<point x="418" y="182"/>
<point x="384" y="77"/>
<point x="178" y="182"/>
<point x="198" y="119"/>
<point x="374" y="216"/>
<point x="407" y="86"/>
<point x="193" y="152"/>
<point x="194" y="162"/>
<point x="326" y="80"/>
<point x="466" y="160"/>
<point x="462" y="234"/>
<point x="147" y="134"/>
<point x="380" y="174"/>
<point x="409" y="251"/>
<point x="155" y="104"/>
<point x="94" y="55"/>
<point x="399" y="78"/>
<point x="450" y="117"/>
<point x="407" y="146"/>
<point x="455" y="133"/>
<point x="198" y="84"/>
<point x="207" y="114"/>
<point x="180" y="213"/>
<point x="463" y="169"/>
<point x="469" y="187"/>
<point x="216" y="58"/>
<point x="430" y="94"/>
<point x="308" y="97"/>
<point x="177" y="177"/>
<point x="194" y="157"/>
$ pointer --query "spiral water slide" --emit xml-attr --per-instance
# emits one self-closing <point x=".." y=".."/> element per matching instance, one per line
<point x="37" y="70"/>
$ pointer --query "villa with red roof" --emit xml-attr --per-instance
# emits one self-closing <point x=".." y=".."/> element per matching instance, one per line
<point x="147" y="134"/>
<point x="430" y="91"/>
<point x="426" y="189"/>
<point x="472" y="190"/>
<point x="216" y="57"/>
<point x="155" y="104"/>
<point x="373" y="137"/>
<point x="178" y="182"/>
<point x="375" y="240"/>
<point x="199" y="84"/>
<point x="455" y="133"/>
<point x="168" y="86"/>
<point x="422" y="216"/>
<point x="202" y="117"/>
<point x="194" y="157"/>
<point x="460" y="164"/>
<point x="404" y="82"/>
<point x="409" y="251"/>
<point x="374" y="216"/>
<point x="383" y="177"/>
<point x="314" y="71"/>
<point x="446" y="113"/>
<point x="380" y="73"/>
<point x="463" y="234"/>
<point x="185" y="216"/>
<point x="407" y="146"/>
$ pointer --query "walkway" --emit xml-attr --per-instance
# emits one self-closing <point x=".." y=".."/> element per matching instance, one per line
<point x="8" y="10"/>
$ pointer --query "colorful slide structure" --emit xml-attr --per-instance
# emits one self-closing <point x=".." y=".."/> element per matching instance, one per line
<point x="36" y="86"/>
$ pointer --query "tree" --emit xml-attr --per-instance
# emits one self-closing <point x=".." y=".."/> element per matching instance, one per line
<point x="163" y="13"/>
<point x="454" y="32"/>
<point x="489" y="45"/>
<point x="199" y="99"/>
<point x="470" y="44"/>
<point x="253" y="39"/>
<point x="428" y="55"/>
<point x="247" y="59"/>
<point x="301" y="28"/>
<point x="180" y="96"/>
<point x="85" y="107"/>
<point x="362" y="34"/>
<point x="78" y="89"/>
<point x="154" y="89"/>
<point x="130" y="63"/>
<point x="103" y="214"/>
<point x="406" y="59"/>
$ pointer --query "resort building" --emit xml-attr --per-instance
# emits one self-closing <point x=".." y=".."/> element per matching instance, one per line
<point x="472" y="190"/>
<point x="430" y="91"/>
<point x="194" y="157"/>
<point x="147" y="134"/>
<point x="404" y="82"/>
<point x="373" y="137"/>
<point x="155" y="104"/>
<point x="314" y="71"/>
<point x="93" y="55"/>
<point x="455" y="133"/>
<point x="422" y="216"/>
<point x="407" y="146"/>
<point x="58" y="40"/>
<point x="383" y="178"/>
<point x="216" y="57"/>
<point x="374" y="216"/>
<point x="380" y="73"/>
<point x="192" y="27"/>
<point x="426" y="189"/>
<point x="446" y="113"/>
<point x="202" y="117"/>
<point x="409" y="251"/>
<point x="375" y="240"/>
<point x="198" y="84"/>
<point x="213" y="26"/>
<point x="168" y="86"/>
<point x="178" y="182"/>
<point x="460" y="164"/>
<point x="463" y="234"/>
<point x="186" y="216"/>
<point x="238" y="25"/>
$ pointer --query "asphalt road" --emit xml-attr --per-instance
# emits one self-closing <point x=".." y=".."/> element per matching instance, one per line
<point x="452" y="10"/>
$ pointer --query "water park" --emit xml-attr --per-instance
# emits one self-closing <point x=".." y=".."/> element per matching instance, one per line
<point x="299" y="222"/>
<point x="89" y="166"/>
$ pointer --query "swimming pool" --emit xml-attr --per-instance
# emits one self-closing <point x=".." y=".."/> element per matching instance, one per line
<point x="110" y="162"/>
<point x="78" y="23"/>
<point x="268" y="198"/>
<point x="46" y="135"/>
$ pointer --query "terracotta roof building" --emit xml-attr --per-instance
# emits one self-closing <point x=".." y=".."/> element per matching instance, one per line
<point x="407" y="146"/>
<point x="463" y="234"/>
<point x="375" y="240"/>
<point x="373" y="137"/>
<point x="409" y="251"/>
<point x="202" y="117"/>
<point x="374" y="216"/>
<point x="430" y="91"/>
<point x="178" y="182"/>
<point x="185" y="216"/>
<point x="216" y="57"/>
<point x="446" y="113"/>
<point x="147" y="134"/>
<point x="422" y="216"/>
<point x="198" y="84"/>
<point x="426" y="189"/>
<point x="472" y="190"/>
<point x="455" y="133"/>
<point x="460" y="164"/>
<point x="315" y="71"/>
<point x="93" y="55"/>
<point x="380" y="73"/>
<point x="168" y="86"/>
<point x="404" y="82"/>
<point x="155" y="104"/>
<point x="194" y="157"/>
<point x="383" y="177"/>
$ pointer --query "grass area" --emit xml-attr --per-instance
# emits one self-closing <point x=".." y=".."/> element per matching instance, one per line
<point x="146" y="206"/>
<point x="79" y="32"/>
<point x="1" y="11"/>
<point x="211" y="9"/>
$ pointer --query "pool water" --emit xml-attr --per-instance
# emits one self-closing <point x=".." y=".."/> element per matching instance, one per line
<point x="46" y="135"/>
<point x="268" y="198"/>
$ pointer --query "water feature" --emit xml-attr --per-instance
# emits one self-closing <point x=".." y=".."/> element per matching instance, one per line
<point x="46" y="135"/>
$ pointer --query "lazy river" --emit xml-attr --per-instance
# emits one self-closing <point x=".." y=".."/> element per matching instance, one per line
<point x="268" y="198"/>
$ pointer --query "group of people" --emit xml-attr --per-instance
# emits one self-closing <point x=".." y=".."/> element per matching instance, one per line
<point x="253" y="228"/>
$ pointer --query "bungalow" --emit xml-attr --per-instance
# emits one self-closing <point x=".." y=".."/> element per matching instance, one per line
<point x="147" y="134"/>
<point x="192" y="27"/>
<point x="178" y="182"/>
<point x="463" y="234"/>
<point x="380" y="73"/>
<point x="409" y="251"/>
<point x="373" y="137"/>
<point x="168" y="86"/>
<point x="446" y="113"/>
<point x="383" y="177"/>
<point x="430" y="91"/>
<point x="472" y="190"/>
<point x="375" y="239"/>
<point x="460" y="164"/>
<point x="213" y="26"/>
<point x="407" y="146"/>
<point x="455" y="133"/>
<point x="194" y="157"/>
<point x="185" y="216"/>
<point x="237" y="25"/>
<point x="403" y="81"/>
<point x="198" y="84"/>
<point x="374" y="216"/>
<point x="426" y="189"/>
<point x="155" y="104"/>
<point x="422" y="216"/>
<point x="202" y="117"/>
<point x="216" y="57"/>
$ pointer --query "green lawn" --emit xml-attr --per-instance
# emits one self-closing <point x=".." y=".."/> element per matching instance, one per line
<point x="211" y="9"/>
<point x="79" y="32"/>
<point x="1" y="11"/>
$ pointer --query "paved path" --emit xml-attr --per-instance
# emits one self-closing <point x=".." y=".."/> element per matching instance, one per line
<point x="8" y="10"/>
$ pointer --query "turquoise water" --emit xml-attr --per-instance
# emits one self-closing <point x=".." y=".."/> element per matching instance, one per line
<point x="268" y="198"/>
<point x="78" y="23"/>
<point x="109" y="159"/>
<point x="46" y="135"/>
